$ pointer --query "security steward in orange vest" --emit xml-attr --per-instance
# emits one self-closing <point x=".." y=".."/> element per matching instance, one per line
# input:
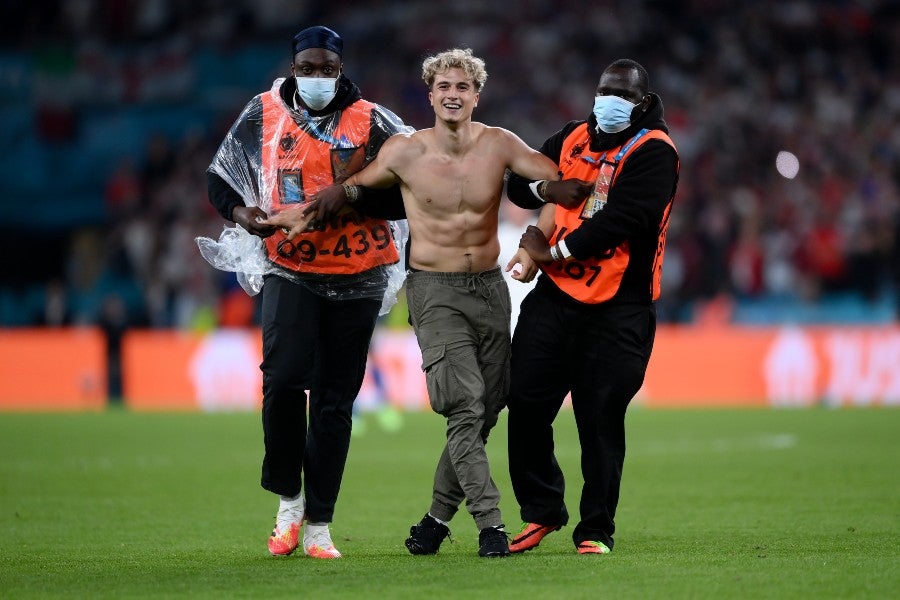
<point x="321" y="301"/>
<point x="588" y="326"/>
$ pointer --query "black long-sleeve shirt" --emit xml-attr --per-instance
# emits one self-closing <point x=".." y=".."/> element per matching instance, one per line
<point x="635" y="204"/>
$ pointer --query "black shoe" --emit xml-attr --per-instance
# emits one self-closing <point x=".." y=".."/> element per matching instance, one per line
<point x="492" y="542"/>
<point x="425" y="537"/>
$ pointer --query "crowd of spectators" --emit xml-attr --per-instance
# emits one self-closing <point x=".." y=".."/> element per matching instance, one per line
<point x="816" y="83"/>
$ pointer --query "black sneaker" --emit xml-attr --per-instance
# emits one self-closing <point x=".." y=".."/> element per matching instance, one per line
<point x="492" y="542"/>
<point x="425" y="537"/>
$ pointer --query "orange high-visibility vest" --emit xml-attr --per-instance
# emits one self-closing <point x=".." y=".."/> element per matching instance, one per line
<point x="597" y="279"/>
<point x="296" y="165"/>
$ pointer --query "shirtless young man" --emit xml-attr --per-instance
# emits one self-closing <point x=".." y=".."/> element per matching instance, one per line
<point x="451" y="179"/>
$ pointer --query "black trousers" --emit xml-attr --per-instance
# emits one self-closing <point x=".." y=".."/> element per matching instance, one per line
<point x="600" y="355"/>
<point x="316" y="344"/>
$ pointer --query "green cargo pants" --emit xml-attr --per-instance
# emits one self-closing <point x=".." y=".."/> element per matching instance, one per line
<point x="461" y="322"/>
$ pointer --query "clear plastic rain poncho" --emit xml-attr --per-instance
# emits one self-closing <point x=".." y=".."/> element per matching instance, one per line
<point x="269" y="169"/>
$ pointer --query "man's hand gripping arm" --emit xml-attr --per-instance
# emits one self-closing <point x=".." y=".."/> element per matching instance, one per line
<point x="329" y="201"/>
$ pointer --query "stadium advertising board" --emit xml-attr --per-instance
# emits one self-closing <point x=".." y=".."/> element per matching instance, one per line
<point x="52" y="369"/>
<point x="690" y="367"/>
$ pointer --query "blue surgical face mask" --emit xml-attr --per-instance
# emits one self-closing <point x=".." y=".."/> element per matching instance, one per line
<point x="316" y="92"/>
<point x="613" y="113"/>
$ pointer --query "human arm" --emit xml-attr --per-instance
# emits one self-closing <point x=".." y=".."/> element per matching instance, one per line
<point x="547" y="220"/>
<point x="231" y="206"/>
<point x="535" y="192"/>
<point x="231" y="179"/>
<point x="329" y="201"/>
<point x="379" y="173"/>
<point x="252" y="218"/>
<point x="527" y="267"/>
<point x="382" y="203"/>
<point x="534" y="241"/>
<point x="635" y="203"/>
<point x="376" y="175"/>
<point x="524" y="160"/>
<point x="222" y="196"/>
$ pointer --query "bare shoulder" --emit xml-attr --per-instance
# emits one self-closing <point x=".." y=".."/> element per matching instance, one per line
<point x="398" y="148"/>
<point x="397" y="142"/>
<point x="504" y="135"/>
<point x="404" y="143"/>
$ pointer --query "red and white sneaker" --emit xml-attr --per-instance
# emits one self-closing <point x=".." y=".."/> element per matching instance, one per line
<point x="317" y="542"/>
<point x="282" y="543"/>
<point x="285" y="537"/>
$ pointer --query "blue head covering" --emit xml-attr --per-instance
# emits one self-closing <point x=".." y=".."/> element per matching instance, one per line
<point x="318" y="37"/>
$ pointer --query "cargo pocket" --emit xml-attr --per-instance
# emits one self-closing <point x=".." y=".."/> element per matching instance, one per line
<point x="438" y="378"/>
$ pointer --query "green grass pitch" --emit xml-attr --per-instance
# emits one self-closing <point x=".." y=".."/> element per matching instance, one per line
<point x="715" y="504"/>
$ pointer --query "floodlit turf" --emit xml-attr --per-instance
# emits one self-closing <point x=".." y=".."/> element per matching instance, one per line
<point x="715" y="504"/>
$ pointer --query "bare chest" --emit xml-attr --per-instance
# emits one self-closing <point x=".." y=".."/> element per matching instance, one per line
<point x="473" y="181"/>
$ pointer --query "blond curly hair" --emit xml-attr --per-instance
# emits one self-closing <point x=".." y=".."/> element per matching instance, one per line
<point x="456" y="58"/>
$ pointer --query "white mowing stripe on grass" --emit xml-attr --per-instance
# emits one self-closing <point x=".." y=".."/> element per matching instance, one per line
<point x="94" y="463"/>
<point x="774" y="441"/>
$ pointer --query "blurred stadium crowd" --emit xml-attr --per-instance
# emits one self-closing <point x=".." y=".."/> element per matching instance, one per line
<point x="112" y="110"/>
